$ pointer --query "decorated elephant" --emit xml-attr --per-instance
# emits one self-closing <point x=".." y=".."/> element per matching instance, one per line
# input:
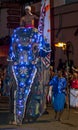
<point x="29" y="58"/>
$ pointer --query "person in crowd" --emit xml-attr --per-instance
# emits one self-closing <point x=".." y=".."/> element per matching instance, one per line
<point x="51" y="72"/>
<point x="1" y="82"/>
<point x="0" y="87"/>
<point x="60" y="64"/>
<point x="48" y="97"/>
<point x="28" y="19"/>
<point x="58" y="85"/>
<point x="74" y="88"/>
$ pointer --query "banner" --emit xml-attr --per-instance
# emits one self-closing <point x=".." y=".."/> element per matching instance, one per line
<point x="44" y="27"/>
<point x="44" y="30"/>
<point x="44" y="21"/>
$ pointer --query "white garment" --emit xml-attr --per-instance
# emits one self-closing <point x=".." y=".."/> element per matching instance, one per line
<point x="74" y="97"/>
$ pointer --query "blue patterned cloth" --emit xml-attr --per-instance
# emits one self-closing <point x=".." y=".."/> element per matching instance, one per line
<point x="58" y="92"/>
<point x="29" y="59"/>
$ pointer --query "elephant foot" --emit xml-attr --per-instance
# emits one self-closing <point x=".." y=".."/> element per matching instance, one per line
<point x="14" y="123"/>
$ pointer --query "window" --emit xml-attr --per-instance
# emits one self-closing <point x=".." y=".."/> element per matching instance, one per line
<point x="70" y="1"/>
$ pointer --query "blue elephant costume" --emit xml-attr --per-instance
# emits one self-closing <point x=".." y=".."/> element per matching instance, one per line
<point x="29" y="57"/>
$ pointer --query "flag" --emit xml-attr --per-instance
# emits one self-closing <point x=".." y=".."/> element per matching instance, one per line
<point x="42" y="17"/>
<point x="44" y="27"/>
<point x="44" y="30"/>
<point x="44" y="21"/>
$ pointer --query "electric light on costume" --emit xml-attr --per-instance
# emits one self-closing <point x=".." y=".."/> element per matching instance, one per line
<point x="27" y="49"/>
<point x="58" y="92"/>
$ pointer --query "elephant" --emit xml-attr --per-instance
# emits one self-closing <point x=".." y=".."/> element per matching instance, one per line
<point x="29" y="59"/>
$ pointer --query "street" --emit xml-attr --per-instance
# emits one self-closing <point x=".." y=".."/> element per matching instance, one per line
<point x="45" y="122"/>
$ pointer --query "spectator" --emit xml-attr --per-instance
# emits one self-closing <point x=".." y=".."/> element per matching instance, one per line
<point x="58" y="86"/>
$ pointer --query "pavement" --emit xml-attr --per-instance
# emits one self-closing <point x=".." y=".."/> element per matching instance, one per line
<point x="45" y="122"/>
